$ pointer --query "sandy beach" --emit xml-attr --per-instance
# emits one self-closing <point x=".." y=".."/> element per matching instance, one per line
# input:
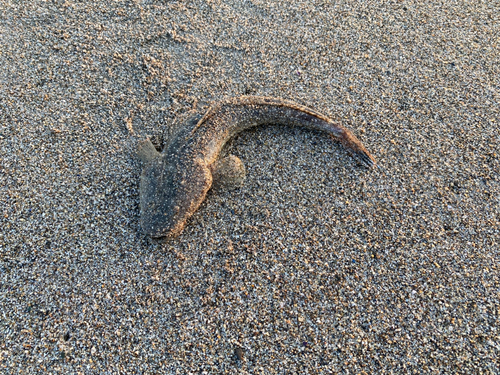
<point x="317" y="265"/>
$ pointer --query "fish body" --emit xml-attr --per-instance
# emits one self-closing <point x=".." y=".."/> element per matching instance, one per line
<point x="175" y="182"/>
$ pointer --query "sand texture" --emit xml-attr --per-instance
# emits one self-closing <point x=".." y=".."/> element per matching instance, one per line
<point x="316" y="265"/>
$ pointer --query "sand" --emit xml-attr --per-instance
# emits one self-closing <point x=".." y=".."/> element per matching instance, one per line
<point x="316" y="265"/>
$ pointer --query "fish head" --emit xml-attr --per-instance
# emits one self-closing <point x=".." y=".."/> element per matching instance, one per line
<point x="171" y="190"/>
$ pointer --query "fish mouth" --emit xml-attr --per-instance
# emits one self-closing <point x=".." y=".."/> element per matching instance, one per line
<point x="162" y="233"/>
<point x="161" y="239"/>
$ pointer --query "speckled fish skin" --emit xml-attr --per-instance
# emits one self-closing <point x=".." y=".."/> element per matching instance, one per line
<point x="174" y="184"/>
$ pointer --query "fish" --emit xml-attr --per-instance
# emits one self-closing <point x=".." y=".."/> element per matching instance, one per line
<point x="175" y="182"/>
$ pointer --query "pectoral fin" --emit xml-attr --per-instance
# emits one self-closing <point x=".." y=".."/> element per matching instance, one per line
<point x="228" y="173"/>
<point x="146" y="151"/>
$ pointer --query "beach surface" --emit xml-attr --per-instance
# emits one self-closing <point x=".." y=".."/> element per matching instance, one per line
<point x="316" y="265"/>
